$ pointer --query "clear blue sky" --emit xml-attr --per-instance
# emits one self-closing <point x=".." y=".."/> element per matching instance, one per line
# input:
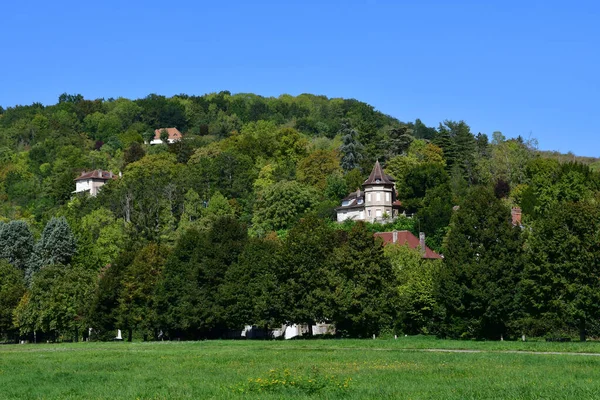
<point x="520" y="67"/>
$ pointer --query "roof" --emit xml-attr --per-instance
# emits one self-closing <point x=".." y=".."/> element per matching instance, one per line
<point x="378" y="176"/>
<point x="174" y="133"/>
<point x="96" y="174"/>
<point x="353" y="200"/>
<point x="408" y="239"/>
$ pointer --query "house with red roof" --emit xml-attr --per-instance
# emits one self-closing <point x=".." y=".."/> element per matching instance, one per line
<point x="406" y="238"/>
<point x="91" y="182"/>
<point x="375" y="202"/>
<point x="174" y="135"/>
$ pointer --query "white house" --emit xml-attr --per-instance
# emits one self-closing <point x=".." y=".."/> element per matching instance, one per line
<point x="375" y="202"/>
<point x="174" y="135"/>
<point x="92" y="181"/>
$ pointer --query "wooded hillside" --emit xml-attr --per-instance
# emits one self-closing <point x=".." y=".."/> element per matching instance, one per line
<point x="234" y="224"/>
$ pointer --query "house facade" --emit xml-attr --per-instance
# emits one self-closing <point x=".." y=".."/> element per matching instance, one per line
<point x="91" y="182"/>
<point x="174" y="135"/>
<point x="375" y="202"/>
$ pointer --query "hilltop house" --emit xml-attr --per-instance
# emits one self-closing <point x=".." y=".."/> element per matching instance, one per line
<point x="406" y="238"/>
<point x="375" y="202"/>
<point x="92" y="181"/>
<point x="174" y="135"/>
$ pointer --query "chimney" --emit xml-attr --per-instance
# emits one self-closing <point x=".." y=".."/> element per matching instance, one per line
<point x="422" y="242"/>
<point x="395" y="236"/>
<point x="516" y="216"/>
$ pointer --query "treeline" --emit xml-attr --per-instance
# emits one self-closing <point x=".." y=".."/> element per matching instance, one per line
<point x="234" y="224"/>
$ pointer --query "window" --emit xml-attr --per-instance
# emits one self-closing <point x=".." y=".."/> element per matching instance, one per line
<point x="387" y="197"/>
<point x="378" y="213"/>
<point x="378" y="196"/>
<point x="369" y="212"/>
<point x="368" y="197"/>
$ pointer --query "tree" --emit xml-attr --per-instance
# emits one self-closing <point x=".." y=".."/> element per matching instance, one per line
<point x="137" y="310"/>
<point x="280" y="205"/>
<point x="417" y="281"/>
<point x="16" y="243"/>
<point x="252" y="290"/>
<point x="362" y="298"/>
<point x="190" y="299"/>
<point x="398" y="141"/>
<point x="305" y="276"/>
<point x="133" y="153"/>
<point x="350" y="148"/>
<point x="482" y="267"/>
<point x="12" y="289"/>
<point x="101" y="239"/>
<point x="316" y="167"/>
<point x="56" y="246"/>
<point x="56" y="302"/>
<point x="560" y="288"/>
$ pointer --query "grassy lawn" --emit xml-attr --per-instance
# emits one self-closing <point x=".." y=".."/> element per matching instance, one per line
<point x="323" y="369"/>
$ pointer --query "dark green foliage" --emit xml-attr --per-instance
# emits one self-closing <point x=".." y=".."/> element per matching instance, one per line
<point x="269" y="162"/>
<point x="306" y="277"/>
<point x="417" y="181"/>
<point x="482" y="267"/>
<point x="190" y="298"/>
<point x="361" y="279"/>
<point x="251" y="293"/>
<point x="12" y="288"/>
<point x="133" y="153"/>
<point x="351" y="147"/>
<point x="560" y="286"/>
<point x="138" y="303"/>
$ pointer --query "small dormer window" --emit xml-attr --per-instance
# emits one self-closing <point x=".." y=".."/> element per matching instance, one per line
<point x="377" y="180"/>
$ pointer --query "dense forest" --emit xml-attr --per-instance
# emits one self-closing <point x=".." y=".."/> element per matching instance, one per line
<point x="235" y="225"/>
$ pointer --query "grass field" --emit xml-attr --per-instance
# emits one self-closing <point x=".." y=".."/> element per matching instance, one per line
<point x="323" y="369"/>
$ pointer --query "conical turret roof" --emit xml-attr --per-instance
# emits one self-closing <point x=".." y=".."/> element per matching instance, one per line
<point x="378" y="177"/>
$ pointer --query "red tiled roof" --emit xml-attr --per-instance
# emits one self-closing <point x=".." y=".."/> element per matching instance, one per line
<point x="408" y="239"/>
<point x="96" y="174"/>
<point x="378" y="176"/>
<point x="174" y="133"/>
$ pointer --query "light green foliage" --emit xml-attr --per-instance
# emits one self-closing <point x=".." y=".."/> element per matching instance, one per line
<point x="317" y="166"/>
<point x="280" y="205"/>
<point x="265" y="178"/>
<point x="56" y="302"/>
<point x="417" y="282"/>
<point x="101" y="238"/>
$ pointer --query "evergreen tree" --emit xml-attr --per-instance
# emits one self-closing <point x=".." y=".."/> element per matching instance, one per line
<point x="560" y="288"/>
<point x="361" y="279"/>
<point x="56" y="246"/>
<point x="482" y="267"/>
<point x="351" y="148"/>
<point x="16" y="243"/>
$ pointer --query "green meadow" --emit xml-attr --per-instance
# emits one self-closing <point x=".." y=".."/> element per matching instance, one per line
<point x="407" y="368"/>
